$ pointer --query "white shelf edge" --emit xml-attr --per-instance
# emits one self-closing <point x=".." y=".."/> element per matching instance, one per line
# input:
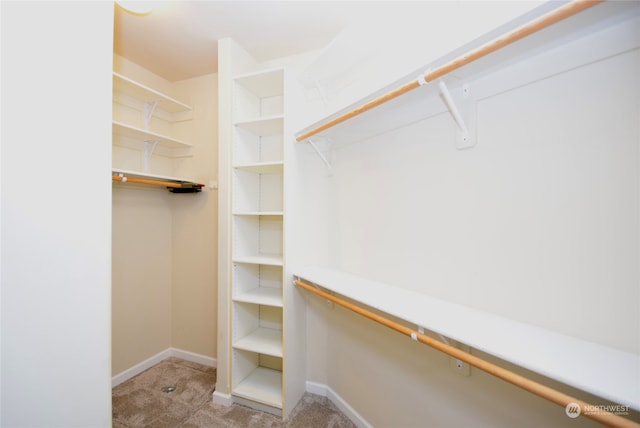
<point x="259" y="73"/>
<point x="151" y="94"/>
<point x="273" y="118"/>
<point x="262" y="167"/>
<point x="130" y="131"/>
<point x="262" y="385"/>
<point x="598" y="369"/>
<point x="259" y="213"/>
<point x="263" y="83"/>
<point x="264" y="341"/>
<point x="263" y="126"/>
<point x="260" y="259"/>
<point x="130" y="173"/>
<point x="265" y="296"/>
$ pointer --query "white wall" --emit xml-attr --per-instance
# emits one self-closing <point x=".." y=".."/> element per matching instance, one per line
<point x="56" y="213"/>
<point x="539" y="223"/>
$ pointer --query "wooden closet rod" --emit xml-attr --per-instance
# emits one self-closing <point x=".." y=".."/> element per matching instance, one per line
<point x="146" y="181"/>
<point x="174" y="187"/>
<point x="521" y="32"/>
<point x="527" y="384"/>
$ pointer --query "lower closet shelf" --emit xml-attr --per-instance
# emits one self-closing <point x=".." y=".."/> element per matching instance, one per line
<point x="263" y="341"/>
<point x="269" y="296"/>
<point x="262" y="385"/>
<point x="260" y="259"/>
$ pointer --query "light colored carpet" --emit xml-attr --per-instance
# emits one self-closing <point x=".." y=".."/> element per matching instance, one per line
<point x="141" y="402"/>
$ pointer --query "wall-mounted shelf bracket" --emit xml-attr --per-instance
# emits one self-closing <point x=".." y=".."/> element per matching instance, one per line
<point x="149" y="109"/>
<point x="149" y="147"/>
<point x="320" y="155"/>
<point x="464" y="118"/>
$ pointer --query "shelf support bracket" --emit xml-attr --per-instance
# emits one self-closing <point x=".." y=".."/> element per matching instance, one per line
<point x="149" y="147"/>
<point x="320" y="155"/>
<point x="465" y="135"/>
<point x="149" y="109"/>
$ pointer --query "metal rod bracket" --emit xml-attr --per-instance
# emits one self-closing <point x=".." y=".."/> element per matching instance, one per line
<point x="320" y="155"/>
<point x="464" y="118"/>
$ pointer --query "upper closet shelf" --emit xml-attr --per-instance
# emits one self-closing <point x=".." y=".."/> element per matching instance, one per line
<point x="123" y="85"/>
<point x="421" y="95"/>
<point x="264" y="83"/>
<point x="167" y="146"/>
<point x="601" y="370"/>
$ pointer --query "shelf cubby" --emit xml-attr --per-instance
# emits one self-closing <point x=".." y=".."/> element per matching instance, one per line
<point x="257" y="284"/>
<point x="257" y="236"/>
<point x="258" y="192"/>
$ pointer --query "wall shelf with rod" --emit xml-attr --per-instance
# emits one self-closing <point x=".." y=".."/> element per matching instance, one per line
<point x="418" y="96"/>
<point x="598" y="369"/>
<point x="173" y="184"/>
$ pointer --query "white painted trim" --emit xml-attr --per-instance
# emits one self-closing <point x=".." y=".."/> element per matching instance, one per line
<point x="222" y="399"/>
<point x="193" y="357"/>
<point x="140" y="367"/>
<point x="160" y="356"/>
<point x="340" y="403"/>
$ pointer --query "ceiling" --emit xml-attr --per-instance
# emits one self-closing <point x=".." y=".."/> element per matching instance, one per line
<point x="178" y="39"/>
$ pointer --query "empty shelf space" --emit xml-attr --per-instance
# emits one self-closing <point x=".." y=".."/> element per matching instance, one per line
<point x="262" y="385"/>
<point x="263" y="126"/>
<point x="123" y="84"/>
<point x="262" y="167"/>
<point x="261" y="296"/>
<point x="263" y="84"/>
<point x="140" y="134"/>
<point x="264" y="341"/>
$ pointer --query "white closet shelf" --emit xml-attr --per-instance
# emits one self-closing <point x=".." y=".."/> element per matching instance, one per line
<point x="263" y="126"/>
<point x="262" y="167"/>
<point x="264" y="341"/>
<point x="598" y="369"/>
<point x="267" y="296"/>
<point x="138" y="174"/>
<point x="264" y="83"/>
<point x="126" y="85"/>
<point x="260" y="259"/>
<point x="173" y="184"/>
<point x="263" y="385"/>
<point x="260" y="213"/>
<point x="140" y="134"/>
<point x="415" y="97"/>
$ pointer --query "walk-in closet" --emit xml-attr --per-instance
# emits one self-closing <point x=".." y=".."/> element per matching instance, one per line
<point x="370" y="214"/>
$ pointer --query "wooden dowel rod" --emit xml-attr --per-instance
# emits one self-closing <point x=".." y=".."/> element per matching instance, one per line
<point x="513" y="36"/>
<point x="521" y="32"/>
<point x="359" y="110"/>
<point x="536" y="388"/>
<point x="146" y="181"/>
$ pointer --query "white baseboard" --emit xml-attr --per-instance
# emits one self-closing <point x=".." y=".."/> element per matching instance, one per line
<point x="340" y="403"/>
<point x="223" y="399"/>
<point x="194" y="358"/>
<point x="163" y="355"/>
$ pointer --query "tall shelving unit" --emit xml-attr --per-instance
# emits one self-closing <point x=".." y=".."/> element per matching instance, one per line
<point x="257" y="239"/>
